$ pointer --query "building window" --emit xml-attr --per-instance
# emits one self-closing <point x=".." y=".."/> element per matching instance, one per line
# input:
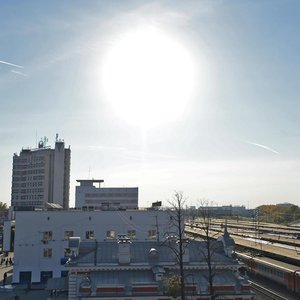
<point x="48" y="252"/>
<point x="47" y="235"/>
<point x="45" y="275"/>
<point x="89" y="235"/>
<point x="111" y="234"/>
<point x="68" y="234"/>
<point x="152" y="234"/>
<point x="131" y="234"/>
<point x="67" y="252"/>
<point x="64" y="273"/>
<point x="25" y="277"/>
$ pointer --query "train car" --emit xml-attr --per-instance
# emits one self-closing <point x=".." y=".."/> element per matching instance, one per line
<point x="275" y="270"/>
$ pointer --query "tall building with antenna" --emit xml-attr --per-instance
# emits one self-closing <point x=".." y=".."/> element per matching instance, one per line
<point x="41" y="176"/>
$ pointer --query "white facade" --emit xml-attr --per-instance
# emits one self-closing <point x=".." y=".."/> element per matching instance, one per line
<point x="7" y="235"/>
<point x="103" y="198"/>
<point x="41" y="175"/>
<point x="41" y="237"/>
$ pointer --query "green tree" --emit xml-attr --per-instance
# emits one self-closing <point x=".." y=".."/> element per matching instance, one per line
<point x="281" y="214"/>
<point x="172" y="286"/>
<point x="3" y="206"/>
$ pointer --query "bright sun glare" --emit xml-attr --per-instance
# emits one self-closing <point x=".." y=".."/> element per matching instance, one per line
<point x="148" y="77"/>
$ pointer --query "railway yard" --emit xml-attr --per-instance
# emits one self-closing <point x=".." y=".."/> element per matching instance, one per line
<point x="278" y="241"/>
<point x="270" y="252"/>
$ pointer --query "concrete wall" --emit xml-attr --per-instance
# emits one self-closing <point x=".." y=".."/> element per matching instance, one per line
<point x="7" y="235"/>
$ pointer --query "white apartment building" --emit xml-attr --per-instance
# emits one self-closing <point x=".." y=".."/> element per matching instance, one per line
<point x="41" y="175"/>
<point x="89" y="196"/>
<point x="41" y="242"/>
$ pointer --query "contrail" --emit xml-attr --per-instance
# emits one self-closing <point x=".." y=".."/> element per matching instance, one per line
<point x="10" y="64"/>
<point x="19" y="73"/>
<point x="263" y="146"/>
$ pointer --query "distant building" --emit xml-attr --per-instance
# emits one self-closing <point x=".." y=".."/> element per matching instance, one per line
<point x="88" y="196"/>
<point x="3" y="216"/>
<point x="285" y="205"/>
<point x="223" y="211"/>
<point x="41" y="175"/>
<point x="41" y="240"/>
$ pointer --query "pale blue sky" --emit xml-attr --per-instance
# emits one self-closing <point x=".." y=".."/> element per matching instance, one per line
<point x="236" y="143"/>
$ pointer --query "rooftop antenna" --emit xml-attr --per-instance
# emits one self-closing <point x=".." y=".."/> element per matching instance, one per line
<point x="89" y="177"/>
<point x="56" y="137"/>
<point x="45" y="141"/>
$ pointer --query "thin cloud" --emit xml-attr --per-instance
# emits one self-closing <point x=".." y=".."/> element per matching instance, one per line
<point x="19" y="73"/>
<point x="263" y="146"/>
<point x="126" y="152"/>
<point x="10" y="64"/>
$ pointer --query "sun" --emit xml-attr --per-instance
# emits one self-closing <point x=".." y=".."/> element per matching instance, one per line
<point x="148" y="77"/>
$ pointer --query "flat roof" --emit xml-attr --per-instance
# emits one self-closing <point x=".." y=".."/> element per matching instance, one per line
<point x="89" y="180"/>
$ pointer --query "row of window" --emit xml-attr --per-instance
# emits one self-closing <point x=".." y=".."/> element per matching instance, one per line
<point x="90" y="234"/>
<point x="112" y="207"/>
<point x="29" y="172"/>
<point x="100" y="201"/>
<point x="38" y="177"/>
<point x="28" y="197"/>
<point x="25" y="277"/>
<point x="28" y="166"/>
<point x="26" y="203"/>
<point x="31" y="159"/>
<point x="28" y="191"/>
<point x="19" y="178"/>
<point x="27" y="178"/>
<point x="20" y="160"/>
<point x="272" y="271"/>
<point x="15" y="199"/>
<point x="27" y="184"/>
<point x="101" y="195"/>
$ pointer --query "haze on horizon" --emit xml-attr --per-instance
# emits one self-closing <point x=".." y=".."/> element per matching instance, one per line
<point x="196" y="96"/>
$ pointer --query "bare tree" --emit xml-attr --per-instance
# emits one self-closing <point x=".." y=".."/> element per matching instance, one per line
<point x="204" y="223"/>
<point x="177" y="241"/>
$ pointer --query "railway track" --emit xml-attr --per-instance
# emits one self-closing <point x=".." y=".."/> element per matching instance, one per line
<point x="279" y="251"/>
<point x="265" y="293"/>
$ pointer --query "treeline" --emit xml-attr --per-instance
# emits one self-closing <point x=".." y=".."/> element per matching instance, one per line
<point x="280" y="214"/>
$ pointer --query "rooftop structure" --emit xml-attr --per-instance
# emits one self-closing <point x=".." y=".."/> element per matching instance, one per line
<point x="142" y="270"/>
<point x="88" y="196"/>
